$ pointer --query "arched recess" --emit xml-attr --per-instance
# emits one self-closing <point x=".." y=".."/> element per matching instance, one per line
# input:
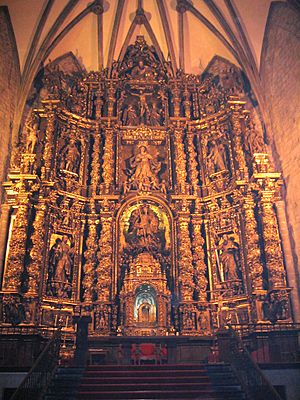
<point x="145" y="306"/>
<point x="144" y="224"/>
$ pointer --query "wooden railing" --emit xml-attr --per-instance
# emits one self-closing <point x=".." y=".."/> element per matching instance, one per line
<point x="38" y="378"/>
<point x="254" y="383"/>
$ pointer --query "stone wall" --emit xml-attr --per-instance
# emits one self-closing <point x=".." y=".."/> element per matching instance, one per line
<point x="280" y="73"/>
<point x="9" y="82"/>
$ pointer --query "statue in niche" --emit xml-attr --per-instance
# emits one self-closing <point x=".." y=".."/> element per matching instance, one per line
<point x="130" y="117"/>
<point x="60" y="268"/>
<point x="143" y="228"/>
<point x="154" y="116"/>
<point x="31" y="138"/>
<point x="141" y="71"/>
<point x="70" y="158"/>
<point x="229" y="258"/>
<point x="216" y="158"/>
<point x="143" y="169"/>
<point x="254" y="140"/>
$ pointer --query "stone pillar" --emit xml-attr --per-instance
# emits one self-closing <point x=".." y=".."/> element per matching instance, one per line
<point x="288" y="257"/>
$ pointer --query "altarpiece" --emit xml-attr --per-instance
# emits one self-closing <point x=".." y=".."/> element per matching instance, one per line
<point x="144" y="198"/>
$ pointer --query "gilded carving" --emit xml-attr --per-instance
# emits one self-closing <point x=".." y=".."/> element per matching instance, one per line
<point x="144" y="202"/>
<point x="37" y="250"/>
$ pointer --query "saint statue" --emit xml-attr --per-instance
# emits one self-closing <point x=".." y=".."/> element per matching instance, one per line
<point x="229" y="257"/>
<point x="143" y="230"/>
<point x="60" y="267"/>
<point x="31" y="138"/>
<point x="154" y="117"/>
<point x="216" y="158"/>
<point x="130" y="117"/>
<point x="143" y="169"/>
<point x="70" y="158"/>
<point x="141" y="71"/>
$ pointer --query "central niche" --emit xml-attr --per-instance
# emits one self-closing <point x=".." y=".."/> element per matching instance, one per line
<point x="145" y="307"/>
<point x="145" y="299"/>
<point x="144" y="227"/>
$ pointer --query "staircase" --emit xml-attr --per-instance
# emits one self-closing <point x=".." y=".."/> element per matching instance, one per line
<point x="186" y="381"/>
<point x="64" y="384"/>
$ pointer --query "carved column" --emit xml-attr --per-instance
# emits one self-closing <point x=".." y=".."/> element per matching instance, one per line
<point x="49" y="138"/>
<point x="17" y="248"/>
<point x="253" y="257"/>
<point x="192" y="164"/>
<point x="272" y="246"/>
<point x="105" y="257"/>
<point x="88" y="281"/>
<point x="176" y="100"/>
<point x="185" y="258"/>
<point x="4" y="225"/>
<point x="108" y="160"/>
<point x="34" y="268"/>
<point x="99" y="103"/>
<point x="111" y="99"/>
<point x="252" y="243"/>
<point x="180" y="161"/>
<point x="198" y="258"/>
<point x="95" y="164"/>
<point x="236" y="117"/>
<point x="187" y="103"/>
